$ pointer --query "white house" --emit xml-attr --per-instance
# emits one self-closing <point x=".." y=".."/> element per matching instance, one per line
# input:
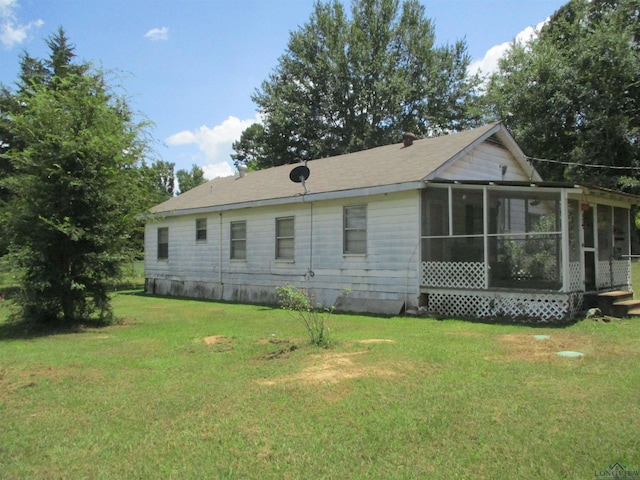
<point x="461" y="225"/>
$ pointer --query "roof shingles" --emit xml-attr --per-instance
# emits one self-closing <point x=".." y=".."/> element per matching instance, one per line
<point x="381" y="166"/>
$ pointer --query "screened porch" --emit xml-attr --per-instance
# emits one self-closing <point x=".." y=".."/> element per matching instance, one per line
<point x="519" y="250"/>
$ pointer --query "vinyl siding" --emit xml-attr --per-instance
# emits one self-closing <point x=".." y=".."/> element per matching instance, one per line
<point x="483" y="163"/>
<point x="389" y="270"/>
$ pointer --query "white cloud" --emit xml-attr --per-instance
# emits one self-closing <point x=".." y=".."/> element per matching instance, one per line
<point x="222" y="169"/>
<point x="11" y="31"/>
<point x="215" y="142"/>
<point x="489" y="63"/>
<point x="182" y="138"/>
<point x="6" y="7"/>
<point x="157" y="34"/>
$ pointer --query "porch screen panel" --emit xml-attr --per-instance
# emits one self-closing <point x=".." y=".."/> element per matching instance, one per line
<point x="525" y="240"/>
<point x="575" y="214"/>
<point x="436" y="212"/>
<point x="620" y="232"/>
<point x="454" y="249"/>
<point x="467" y="212"/>
<point x="605" y="231"/>
<point x="525" y="261"/>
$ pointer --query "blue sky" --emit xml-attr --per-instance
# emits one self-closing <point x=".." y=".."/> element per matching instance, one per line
<point x="190" y="66"/>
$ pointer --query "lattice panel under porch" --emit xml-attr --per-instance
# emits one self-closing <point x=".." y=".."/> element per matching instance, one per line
<point x="576" y="283"/>
<point x="524" y="307"/>
<point x="614" y="274"/>
<point x="453" y="274"/>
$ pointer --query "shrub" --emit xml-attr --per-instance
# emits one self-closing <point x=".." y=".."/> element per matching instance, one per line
<point x="313" y="317"/>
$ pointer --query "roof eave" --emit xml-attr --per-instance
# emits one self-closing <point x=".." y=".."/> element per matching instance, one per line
<point x="307" y="197"/>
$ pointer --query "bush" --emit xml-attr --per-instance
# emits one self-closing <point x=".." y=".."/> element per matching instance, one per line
<point x="314" y="318"/>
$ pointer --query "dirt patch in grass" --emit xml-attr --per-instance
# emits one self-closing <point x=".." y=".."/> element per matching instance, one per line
<point x="219" y="343"/>
<point x="216" y="339"/>
<point x="283" y="352"/>
<point x="332" y="368"/>
<point x="535" y="348"/>
<point x="280" y="341"/>
<point x="465" y="334"/>
<point x="376" y="340"/>
<point x="13" y="380"/>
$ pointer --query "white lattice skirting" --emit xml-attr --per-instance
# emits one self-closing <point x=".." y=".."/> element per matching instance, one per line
<point x="534" y="307"/>
<point x="614" y="274"/>
<point x="575" y="277"/>
<point x="453" y="274"/>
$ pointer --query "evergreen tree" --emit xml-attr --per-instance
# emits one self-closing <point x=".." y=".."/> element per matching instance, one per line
<point x="74" y="147"/>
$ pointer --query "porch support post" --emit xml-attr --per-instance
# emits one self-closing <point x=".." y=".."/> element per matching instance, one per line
<point x="564" y="226"/>
<point x="450" y="200"/>
<point x="485" y="237"/>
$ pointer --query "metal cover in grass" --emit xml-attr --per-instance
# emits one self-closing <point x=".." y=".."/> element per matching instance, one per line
<point x="569" y="353"/>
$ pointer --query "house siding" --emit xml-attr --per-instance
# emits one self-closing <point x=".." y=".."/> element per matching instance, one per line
<point x="388" y="272"/>
<point x="483" y="163"/>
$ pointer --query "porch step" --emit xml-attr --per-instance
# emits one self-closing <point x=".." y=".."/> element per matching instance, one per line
<point x="618" y="304"/>
<point x="623" y="309"/>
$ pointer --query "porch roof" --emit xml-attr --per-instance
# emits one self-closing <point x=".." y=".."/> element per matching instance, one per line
<point x="588" y="190"/>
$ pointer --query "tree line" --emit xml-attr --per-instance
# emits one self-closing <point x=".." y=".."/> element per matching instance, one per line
<point x="570" y="96"/>
<point x="75" y="168"/>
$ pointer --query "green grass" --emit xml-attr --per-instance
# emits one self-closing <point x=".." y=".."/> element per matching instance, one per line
<point x="437" y="399"/>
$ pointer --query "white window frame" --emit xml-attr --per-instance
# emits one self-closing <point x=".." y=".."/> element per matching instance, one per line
<point x="234" y="241"/>
<point x="163" y="253"/>
<point x="200" y="229"/>
<point x="280" y="239"/>
<point x="350" y="212"/>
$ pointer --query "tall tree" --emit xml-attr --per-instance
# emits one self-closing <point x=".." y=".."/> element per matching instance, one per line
<point x="347" y="83"/>
<point x="73" y="200"/>
<point x="250" y="149"/>
<point x="188" y="179"/>
<point x="159" y="180"/>
<point x="572" y="94"/>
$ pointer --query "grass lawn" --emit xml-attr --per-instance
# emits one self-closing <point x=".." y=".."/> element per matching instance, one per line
<point x="188" y="389"/>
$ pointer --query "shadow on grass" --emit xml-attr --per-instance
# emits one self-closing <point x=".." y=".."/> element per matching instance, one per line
<point x="19" y="329"/>
<point x="517" y="322"/>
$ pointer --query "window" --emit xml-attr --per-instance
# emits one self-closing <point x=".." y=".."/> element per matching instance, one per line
<point x="163" y="243"/>
<point x="238" y="240"/>
<point x="285" y="238"/>
<point x="201" y="230"/>
<point x="355" y="230"/>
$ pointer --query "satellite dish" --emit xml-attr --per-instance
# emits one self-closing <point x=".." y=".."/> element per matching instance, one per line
<point x="299" y="174"/>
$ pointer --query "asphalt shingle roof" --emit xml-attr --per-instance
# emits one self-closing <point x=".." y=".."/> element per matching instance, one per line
<point x="381" y="166"/>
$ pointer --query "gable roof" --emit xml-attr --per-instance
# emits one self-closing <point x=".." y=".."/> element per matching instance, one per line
<point x="391" y="167"/>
